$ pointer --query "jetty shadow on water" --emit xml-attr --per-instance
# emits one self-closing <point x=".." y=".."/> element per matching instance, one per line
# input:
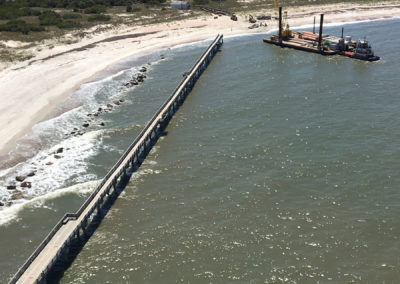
<point x="77" y="244"/>
<point x="65" y="261"/>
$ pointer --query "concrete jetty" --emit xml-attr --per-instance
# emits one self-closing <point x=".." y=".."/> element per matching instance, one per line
<point x="72" y="225"/>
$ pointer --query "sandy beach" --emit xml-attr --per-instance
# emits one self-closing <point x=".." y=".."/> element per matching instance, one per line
<point x="29" y="90"/>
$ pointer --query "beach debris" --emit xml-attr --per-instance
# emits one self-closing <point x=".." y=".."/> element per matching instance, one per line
<point x="117" y="103"/>
<point x="254" y="26"/>
<point x="102" y="124"/>
<point x="11" y="187"/>
<point x="60" y="150"/>
<point x="85" y="125"/>
<point x="31" y="174"/>
<point x="89" y="114"/>
<point x="99" y="109"/>
<point x="57" y="157"/>
<point x="1" y="203"/>
<point x="162" y="56"/>
<point x="234" y="17"/>
<point x="264" y="17"/>
<point x="109" y="106"/>
<point x="73" y="133"/>
<point x="143" y="69"/>
<point x="49" y="163"/>
<point x="121" y="100"/>
<point x="20" y="178"/>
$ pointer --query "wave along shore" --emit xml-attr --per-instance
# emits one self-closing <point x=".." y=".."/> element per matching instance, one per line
<point x="31" y="90"/>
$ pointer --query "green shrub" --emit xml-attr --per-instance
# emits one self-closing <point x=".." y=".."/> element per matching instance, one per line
<point x="96" y="9"/>
<point x="68" y="25"/>
<point x="50" y="18"/>
<point x="71" y="16"/>
<point x="7" y="13"/>
<point x="99" y="18"/>
<point x="26" y="11"/>
<point x="12" y="12"/>
<point x="154" y="2"/>
<point x="200" y="2"/>
<point x="20" y="26"/>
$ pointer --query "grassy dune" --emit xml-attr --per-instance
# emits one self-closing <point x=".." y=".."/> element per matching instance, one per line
<point x="32" y="26"/>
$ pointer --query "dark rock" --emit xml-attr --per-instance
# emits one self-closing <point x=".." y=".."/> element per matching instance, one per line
<point x="134" y="82"/>
<point x="99" y="109"/>
<point x="17" y="195"/>
<point x="89" y="114"/>
<point x="85" y="125"/>
<point x="20" y="178"/>
<point x="117" y="103"/>
<point x="96" y="114"/>
<point x="127" y="84"/>
<point x="121" y="100"/>
<point x="57" y="156"/>
<point x="102" y="124"/>
<point x="26" y="184"/>
<point x="1" y="203"/>
<point x="31" y="174"/>
<point x="143" y="69"/>
<point x="73" y="132"/>
<point x="49" y="163"/>
<point x="11" y="187"/>
<point x="60" y="150"/>
<point x="162" y="56"/>
<point x="75" y="128"/>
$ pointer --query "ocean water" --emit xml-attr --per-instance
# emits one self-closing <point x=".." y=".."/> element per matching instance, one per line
<point x="281" y="166"/>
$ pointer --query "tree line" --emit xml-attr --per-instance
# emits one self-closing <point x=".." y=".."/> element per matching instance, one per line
<point x="12" y="10"/>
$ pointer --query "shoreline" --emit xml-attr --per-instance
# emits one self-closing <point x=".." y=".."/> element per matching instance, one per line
<point x="30" y="90"/>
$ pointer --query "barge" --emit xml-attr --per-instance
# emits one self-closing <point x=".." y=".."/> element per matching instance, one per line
<point x="319" y="43"/>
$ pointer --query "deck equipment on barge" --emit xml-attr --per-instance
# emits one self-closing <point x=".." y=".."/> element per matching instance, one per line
<point x="320" y="43"/>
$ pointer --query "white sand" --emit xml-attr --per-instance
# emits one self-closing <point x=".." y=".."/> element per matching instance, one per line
<point x="28" y="94"/>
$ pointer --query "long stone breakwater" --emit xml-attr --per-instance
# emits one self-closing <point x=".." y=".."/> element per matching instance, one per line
<point x="58" y="242"/>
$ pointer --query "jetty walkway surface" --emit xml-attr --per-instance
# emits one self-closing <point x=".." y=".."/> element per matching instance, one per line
<point x="72" y="225"/>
